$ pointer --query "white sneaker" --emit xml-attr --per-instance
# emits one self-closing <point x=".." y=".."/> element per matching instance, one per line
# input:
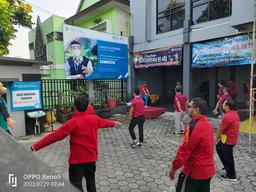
<point x="135" y="143"/>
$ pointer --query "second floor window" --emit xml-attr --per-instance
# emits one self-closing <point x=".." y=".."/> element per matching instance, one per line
<point x="170" y="15"/>
<point x="207" y="10"/>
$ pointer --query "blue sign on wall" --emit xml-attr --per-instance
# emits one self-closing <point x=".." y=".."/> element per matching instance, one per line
<point x="224" y="52"/>
<point x="25" y="95"/>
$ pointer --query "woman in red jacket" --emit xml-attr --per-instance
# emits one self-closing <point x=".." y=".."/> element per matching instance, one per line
<point x="83" y="131"/>
<point x="195" y="154"/>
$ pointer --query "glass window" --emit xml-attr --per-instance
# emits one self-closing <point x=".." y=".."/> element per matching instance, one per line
<point x="219" y="9"/>
<point x="177" y="20"/>
<point x="31" y="46"/>
<point x="164" y="25"/>
<point x="206" y="10"/>
<point x="170" y="15"/>
<point x="200" y="13"/>
<point x="50" y="37"/>
<point x="163" y="5"/>
<point x="59" y="36"/>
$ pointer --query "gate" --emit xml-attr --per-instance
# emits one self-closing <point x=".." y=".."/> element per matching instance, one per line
<point x="58" y="93"/>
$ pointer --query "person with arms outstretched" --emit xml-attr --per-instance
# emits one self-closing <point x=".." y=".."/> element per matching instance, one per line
<point x="83" y="132"/>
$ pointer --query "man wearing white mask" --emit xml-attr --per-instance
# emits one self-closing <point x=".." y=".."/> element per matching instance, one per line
<point x="78" y="67"/>
<point x="5" y="120"/>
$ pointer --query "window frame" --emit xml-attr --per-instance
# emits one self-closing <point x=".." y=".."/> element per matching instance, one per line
<point x="179" y="8"/>
<point x="208" y="2"/>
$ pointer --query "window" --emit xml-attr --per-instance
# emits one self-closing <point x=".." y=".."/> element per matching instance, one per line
<point x="31" y="46"/>
<point x="54" y="36"/>
<point x="59" y="36"/>
<point x="207" y="10"/>
<point x="50" y="37"/>
<point x="102" y="26"/>
<point x="170" y="15"/>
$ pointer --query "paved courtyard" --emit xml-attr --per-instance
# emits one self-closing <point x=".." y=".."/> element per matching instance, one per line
<point x="121" y="168"/>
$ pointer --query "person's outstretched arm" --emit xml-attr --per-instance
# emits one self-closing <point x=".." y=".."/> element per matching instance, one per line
<point x="215" y="111"/>
<point x="105" y="123"/>
<point x="55" y="136"/>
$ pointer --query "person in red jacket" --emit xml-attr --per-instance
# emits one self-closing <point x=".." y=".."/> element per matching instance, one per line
<point x="227" y="138"/>
<point x="144" y="93"/>
<point x="196" y="153"/>
<point x="221" y="85"/>
<point x="220" y="102"/>
<point x="180" y="101"/>
<point x="232" y="89"/>
<point x="83" y="132"/>
<point x="136" y="114"/>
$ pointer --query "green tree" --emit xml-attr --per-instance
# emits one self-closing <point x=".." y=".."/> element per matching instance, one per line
<point x="12" y="12"/>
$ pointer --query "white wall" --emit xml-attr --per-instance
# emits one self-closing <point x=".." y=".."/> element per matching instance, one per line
<point x="15" y="72"/>
<point x="123" y="22"/>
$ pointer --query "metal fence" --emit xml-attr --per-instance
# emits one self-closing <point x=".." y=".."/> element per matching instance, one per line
<point x="62" y="92"/>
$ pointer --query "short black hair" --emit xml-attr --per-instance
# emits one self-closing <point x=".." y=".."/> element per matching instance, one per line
<point x="81" y="103"/>
<point x="231" y="104"/>
<point x="137" y="91"/>
<point x="178" y="89"/>
<point x="74" y="42"/>
<point x="223" y="83"/>
<point x="200" y="104"/>
<point x="85" y="94"/>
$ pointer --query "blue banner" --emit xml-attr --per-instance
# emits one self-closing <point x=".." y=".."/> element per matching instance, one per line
<point x="112" y="59"/>
<point x="224" y="52"/>
<point x="25" y="95"/>
<point x="94" y="55"/>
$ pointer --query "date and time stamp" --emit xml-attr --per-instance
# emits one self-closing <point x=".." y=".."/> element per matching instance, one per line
<point x="36" y="180"/>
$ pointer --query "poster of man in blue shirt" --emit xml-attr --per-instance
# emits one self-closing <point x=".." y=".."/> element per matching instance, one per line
<point x="77" y="66"/>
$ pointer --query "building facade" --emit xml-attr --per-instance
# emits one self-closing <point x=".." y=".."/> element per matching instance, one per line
<point x="52" y="29"/>
<point x="159" y="27"/>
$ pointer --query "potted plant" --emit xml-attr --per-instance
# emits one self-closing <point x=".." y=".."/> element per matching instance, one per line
<point x="65" y="108"/>
<point x="64" y="113"/>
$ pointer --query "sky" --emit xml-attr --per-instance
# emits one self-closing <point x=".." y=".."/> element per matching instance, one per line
<point x="44" y="9"/>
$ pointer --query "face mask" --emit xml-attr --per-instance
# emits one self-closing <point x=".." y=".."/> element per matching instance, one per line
<point x="4" y="90"/>
<point x="76" y="52"/>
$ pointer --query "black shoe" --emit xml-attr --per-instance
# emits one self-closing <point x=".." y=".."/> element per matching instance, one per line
<point x="226" y="178"/>
<point x="178" y="133"/>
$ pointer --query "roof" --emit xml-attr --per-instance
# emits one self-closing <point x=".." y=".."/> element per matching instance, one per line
<point x="92" y="8"/>
<point x="12" y="61"/>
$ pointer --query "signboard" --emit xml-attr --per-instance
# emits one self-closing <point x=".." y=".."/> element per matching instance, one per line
<point x="25" y="95"/>
<point x="158" y="57"/>
<point x="94" y="55"/>
<point x="225" y="52"/>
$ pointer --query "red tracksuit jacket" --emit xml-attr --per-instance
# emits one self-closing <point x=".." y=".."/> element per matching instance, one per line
<point x="196" y="155"/>
<point x="83" y="131"/>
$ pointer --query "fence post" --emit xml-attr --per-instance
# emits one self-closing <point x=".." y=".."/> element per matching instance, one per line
<point x="122" y="88"/>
